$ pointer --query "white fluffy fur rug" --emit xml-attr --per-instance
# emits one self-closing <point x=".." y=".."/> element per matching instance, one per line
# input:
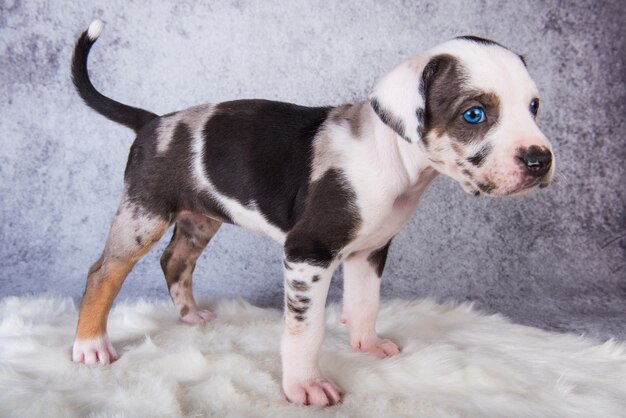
<point x="454" y="363"/>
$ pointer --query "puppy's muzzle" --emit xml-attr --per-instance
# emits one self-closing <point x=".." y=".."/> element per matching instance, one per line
<point x="536" y="161"/>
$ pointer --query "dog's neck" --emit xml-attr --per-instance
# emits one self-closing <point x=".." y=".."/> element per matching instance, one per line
<point x="406" y="164"/>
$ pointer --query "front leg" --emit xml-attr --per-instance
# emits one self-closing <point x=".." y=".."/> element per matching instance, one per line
<point x="361" y="298"/>
<point x="306" y="288"/>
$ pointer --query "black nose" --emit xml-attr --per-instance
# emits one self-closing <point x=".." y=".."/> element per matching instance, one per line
<point x="536" y="160"/>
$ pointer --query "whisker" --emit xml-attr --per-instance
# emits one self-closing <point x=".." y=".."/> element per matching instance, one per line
<point x="560" y="179"/>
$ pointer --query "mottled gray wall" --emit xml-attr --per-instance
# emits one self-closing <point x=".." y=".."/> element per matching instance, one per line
<point x="554" y="259"/>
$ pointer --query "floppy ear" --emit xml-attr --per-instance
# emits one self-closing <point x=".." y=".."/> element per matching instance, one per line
<point x="399" y="98"/>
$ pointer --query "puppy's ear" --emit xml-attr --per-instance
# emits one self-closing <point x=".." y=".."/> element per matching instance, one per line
<point x="399" y="98"/>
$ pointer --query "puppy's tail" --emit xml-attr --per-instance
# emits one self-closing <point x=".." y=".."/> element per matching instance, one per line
<point x="129" y="116"/>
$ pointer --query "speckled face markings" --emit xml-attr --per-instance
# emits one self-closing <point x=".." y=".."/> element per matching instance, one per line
<point x="479" y="157"/>
<point x="486" y="187"/>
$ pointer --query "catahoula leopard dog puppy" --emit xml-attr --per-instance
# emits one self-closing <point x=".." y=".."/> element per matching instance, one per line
<point x="331" y="184"/>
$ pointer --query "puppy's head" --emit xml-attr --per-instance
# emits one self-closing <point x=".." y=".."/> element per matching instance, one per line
<point x="471" y="106"/>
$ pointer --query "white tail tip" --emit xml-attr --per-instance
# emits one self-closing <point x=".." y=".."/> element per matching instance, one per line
<point x="95" y="29"/>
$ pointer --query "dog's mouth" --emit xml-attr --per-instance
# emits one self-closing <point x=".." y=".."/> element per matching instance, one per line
<point x="525" y="186"/>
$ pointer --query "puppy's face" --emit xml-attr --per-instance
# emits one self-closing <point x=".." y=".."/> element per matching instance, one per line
<point x="473" y="112"/>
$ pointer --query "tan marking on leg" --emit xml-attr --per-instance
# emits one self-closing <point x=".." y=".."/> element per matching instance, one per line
<point x="102" y="287"/>
<point x="120" y="254"/>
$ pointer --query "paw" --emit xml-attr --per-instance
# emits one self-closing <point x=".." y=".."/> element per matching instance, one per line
<point x="199" y="316"/>
<point x="379" y="348"/>
<point x="93" y="351"/>
<point x="316" y="391"/>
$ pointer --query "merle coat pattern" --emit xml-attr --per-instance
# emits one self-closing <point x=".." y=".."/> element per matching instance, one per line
<point x="332" y="184"/>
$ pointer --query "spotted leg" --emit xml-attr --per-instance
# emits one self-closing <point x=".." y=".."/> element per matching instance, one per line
<point x="306" y="287"/>
<point x="362" y="272"/>
<point x="191" y="235"/>
<point x="133" y="232"/>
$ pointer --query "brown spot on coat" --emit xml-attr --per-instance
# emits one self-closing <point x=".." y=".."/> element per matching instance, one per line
<point x="300" y="310"/>
<point x="298" y="285"/>
<point x="328" y="223"/>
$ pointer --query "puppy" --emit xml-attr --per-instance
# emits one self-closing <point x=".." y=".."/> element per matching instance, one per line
<point x="331" y="184"/>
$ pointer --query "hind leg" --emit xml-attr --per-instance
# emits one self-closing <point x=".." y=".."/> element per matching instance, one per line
<point x="191" y="235"/>
<point x="133" y="232"/>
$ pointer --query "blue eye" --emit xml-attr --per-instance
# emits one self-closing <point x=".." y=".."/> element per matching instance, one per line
<point x="534" y="106"/>
<point x="474" y="115"/>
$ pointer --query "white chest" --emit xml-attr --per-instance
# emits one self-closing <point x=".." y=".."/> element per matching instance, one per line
<point x="382" y="220"/>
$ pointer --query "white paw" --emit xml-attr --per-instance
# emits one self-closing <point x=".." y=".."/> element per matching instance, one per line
<point x="314" y="391"/>
<point x="376" y="346"/>
<point x="92" y="351"/>
<point x="199" y="316"/>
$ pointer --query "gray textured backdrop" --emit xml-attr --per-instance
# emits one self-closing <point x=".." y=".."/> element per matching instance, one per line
<point x="555" y="259"/>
